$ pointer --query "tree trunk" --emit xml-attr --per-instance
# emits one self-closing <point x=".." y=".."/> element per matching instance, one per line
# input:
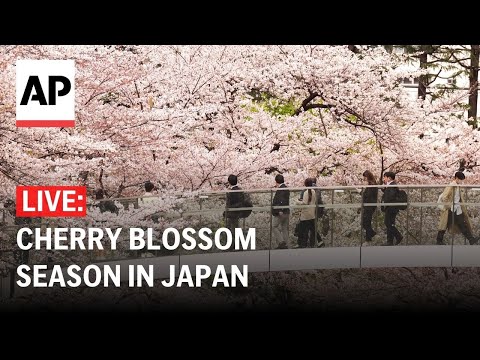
<point x="422" y="83"/>
<point x="473" y="83"/>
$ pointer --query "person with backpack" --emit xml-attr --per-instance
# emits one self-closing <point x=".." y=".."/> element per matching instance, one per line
<point x="281" y="217"/>
<point x="453" y="196"/>
<point x="234" y="200"/>
<point x="306" y="233"/>
<point x="391" y="195"/>
<point x="320" y="211"/>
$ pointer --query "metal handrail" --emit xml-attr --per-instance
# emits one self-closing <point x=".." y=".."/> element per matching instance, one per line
<point x="355" y="188"/>
<point x="293" y="206"/>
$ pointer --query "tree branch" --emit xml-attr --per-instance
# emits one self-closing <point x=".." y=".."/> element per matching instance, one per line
<point x="306" y="106"/>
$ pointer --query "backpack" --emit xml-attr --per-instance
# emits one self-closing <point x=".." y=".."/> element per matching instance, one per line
<point x="247" y="203"/>
<point x="402" y="198"/>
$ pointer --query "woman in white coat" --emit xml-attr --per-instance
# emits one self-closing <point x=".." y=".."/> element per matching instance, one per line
<point x="306" y="233"/>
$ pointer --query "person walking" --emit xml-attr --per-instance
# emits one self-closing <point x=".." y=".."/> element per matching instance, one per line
<point x="281" y="217"/>
<point x="234" y="200"/>
<point x="390" y="195"/>
<point x="369" y="196"/>
<point x="454" y="216"/>
<point x="306" y="233"/>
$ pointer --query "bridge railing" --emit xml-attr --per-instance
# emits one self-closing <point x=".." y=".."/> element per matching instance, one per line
<point x="338" y="219"/>
<point x="340" y="222"/>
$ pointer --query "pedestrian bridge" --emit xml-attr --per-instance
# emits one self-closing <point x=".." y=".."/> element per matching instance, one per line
<point x="321" y="258"/>
<point x="340" y="228"/>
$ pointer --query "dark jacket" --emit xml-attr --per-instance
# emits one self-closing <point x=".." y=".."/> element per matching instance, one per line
<point x="281" y="198"/>
<point x="370" y="195"/>
<point x="234" y="200"/>
<point x="390" y="194"/>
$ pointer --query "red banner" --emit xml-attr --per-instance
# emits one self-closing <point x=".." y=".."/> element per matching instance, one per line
<point x="51" y="201"/>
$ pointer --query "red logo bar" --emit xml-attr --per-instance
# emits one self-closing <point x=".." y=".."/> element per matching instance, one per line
<point x="45" y="123"/>
<point x="51" y="201"/>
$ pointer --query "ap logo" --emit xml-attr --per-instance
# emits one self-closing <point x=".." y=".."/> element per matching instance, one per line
<point x="45" y="93"/>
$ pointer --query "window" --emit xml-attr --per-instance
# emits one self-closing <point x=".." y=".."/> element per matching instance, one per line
<point x="409" y="81"/>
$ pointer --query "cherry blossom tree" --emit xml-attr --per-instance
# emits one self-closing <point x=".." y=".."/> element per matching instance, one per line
<point x="187" y="116"/>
